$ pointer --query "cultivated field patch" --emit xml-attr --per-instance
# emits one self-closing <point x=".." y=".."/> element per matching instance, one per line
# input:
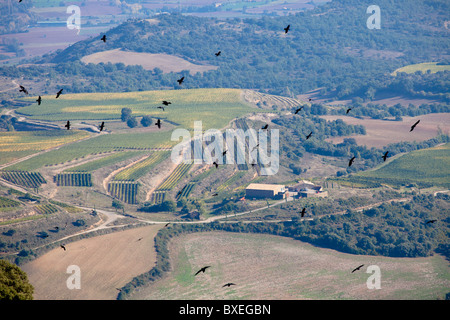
<point x="273" y="267"/>
<point x="380" y="133"/>
<point x="106" y="262"/>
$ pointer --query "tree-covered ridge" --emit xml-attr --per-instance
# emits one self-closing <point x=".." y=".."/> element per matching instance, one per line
<point x="14" y="283"/>
<point x="329" y="47"/>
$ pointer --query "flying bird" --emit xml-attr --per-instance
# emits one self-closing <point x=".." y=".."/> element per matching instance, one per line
<point x="167" y="224"/>
<point x="253" y="163"/>
<point x="215" y="194"/>
<point x="103" y="38"/>
<point x="431" y="221"/>
<point x="385" y="155"/>
<point x="62" y="246"/>
<point x="102" y="126"/>
<point x="309" y="135"/>
<point x="59" y="93"/>
<point x="414" y="125"/>
<point x="39" y="100"/>
<point x="22" y="89"/>
<point x="357" y="268"/>
<point x="303" y="212"/>
<point x="265" y="127"/>
<point x="161" y="107"/>
<point x="228" y="284"/>
<point x="223" y="153"/>
<point x="216" y="164"/>
<point x="286" y="30"/>
<point x="348" y="110"/>
<point x="350" y="162"/>
<point x="255" y="147"/>
<point x="218" y="53"/>
<point x="158" y="123"/>
<point x="139" y="239"/>
<point x="180" y="81"/>
<point x="202" y="270"/>
<point x="67" y="125"/>
<point x="166" y="103"/>
<point x="298" y="110"/>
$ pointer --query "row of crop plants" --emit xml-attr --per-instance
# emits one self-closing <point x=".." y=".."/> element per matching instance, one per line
<point x="24" y="178"/>
<point x="125" y="191"/>
<point x="73" y="179"/>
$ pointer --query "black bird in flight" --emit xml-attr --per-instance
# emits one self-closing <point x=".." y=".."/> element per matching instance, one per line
<point x="223" y="153"/>
<point x="62" y="246"/>
<point x="167" y="224"/>
<point x="286" y="30"/>
<point x="161" y="107"/>
<point x="414" y="125"/>
<point x="202" y="270"/>
<point x="357" y="268"/>
<point x="100" y="127"/>
<point x="67" y="125"/>
<point x="180" y="81"/>
<point x="216" y="164"/>
<point x="431" y="221"/>
<point x="139" y="239"/>
<point x="348" y="110"/>
<point x="158" y="123"/>
<point x="350" y="162"/>
<point x="59" y="93"/>
<point x="298" y="110"/>
<point x="166" y="103"/>
<point x="265" y="127"/>
<point x="255" y="147"/>
<point x="118" y="289"/>
<point x="103" y="38"/>
<point x="309" y="135"/>
<point x="215" y="194"/>
<point x="303" y="212"/>
<point x="22" y="89"/>
<point x="218" y="53"/>
<point x="253" y="163"/>
<point x="39" y="100"/>
<point x="310" y="99"/>
<point x="228" y="284"/>
<point x="385" y="155"/>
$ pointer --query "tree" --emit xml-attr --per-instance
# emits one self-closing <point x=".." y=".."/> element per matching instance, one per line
<point x="126" y="114"/>
<point x="132" y="122"/>
<point x="14" y="283"/>
<point x="146" y="121"/>
<point x="116" y="204"/>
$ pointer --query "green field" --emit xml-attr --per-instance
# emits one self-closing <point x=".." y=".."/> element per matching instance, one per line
<point x="426" y="167"/>
<point x="14" y="145"/>
<point x="103" y="143"/>
<point x="138" y="170"/>
<point x="214" y="107"/>
<point x="104" y="162"/>
<point x="423" y="67"/>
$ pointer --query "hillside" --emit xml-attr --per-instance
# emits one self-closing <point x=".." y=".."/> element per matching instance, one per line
<point x="328" y="47"/>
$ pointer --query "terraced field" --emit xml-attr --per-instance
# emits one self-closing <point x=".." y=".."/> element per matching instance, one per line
<point x="104" y="162"/>
<point x="171" y="181"/>
<point x="73" y="179"/>
<point x="125" y="191"/>
<point x="14" y="144"/>
<point x="138" y="170"/>
<point x="23" y="178"/>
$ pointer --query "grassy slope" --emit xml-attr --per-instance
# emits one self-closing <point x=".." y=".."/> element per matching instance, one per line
<point x="423" y="67"/>
<point x="272" y="267"/>
<point x="214" y="107"/>
<point x="428" y="165"/>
